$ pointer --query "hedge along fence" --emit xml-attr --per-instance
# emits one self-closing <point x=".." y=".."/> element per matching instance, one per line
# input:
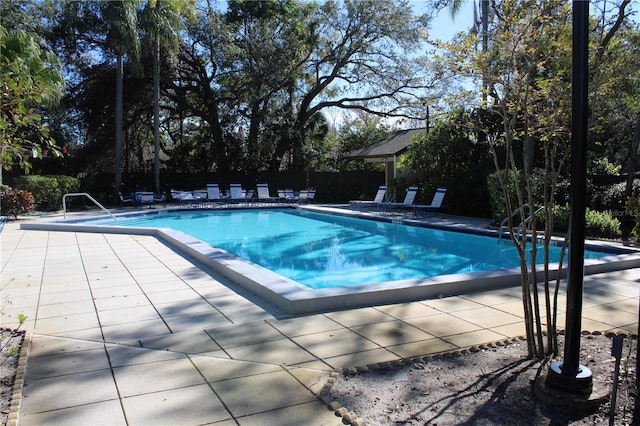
<point x="47" y="191"/>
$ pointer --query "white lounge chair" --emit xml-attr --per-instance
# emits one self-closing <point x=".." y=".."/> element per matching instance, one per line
<point x="360" y="205"/>
<point x="236" y="194"/>
<point x="263" y="194"/>
<point x="213" y="193"/>
<point x="436" y="203"/>
<point x="409" y="198"/>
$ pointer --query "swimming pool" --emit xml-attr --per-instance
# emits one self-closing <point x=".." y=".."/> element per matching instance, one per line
<point x="303" y="261"/>
<point x="326" y="251"/>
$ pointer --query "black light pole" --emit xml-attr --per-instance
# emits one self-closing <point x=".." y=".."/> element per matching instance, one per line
<point x="570" y="376"/>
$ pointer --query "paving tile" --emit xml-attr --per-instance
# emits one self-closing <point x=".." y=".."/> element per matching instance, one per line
<point x="408" y="310"/>
<point x="67" y="363"/>
<point x="60" y="309"/>
<point x="353" y="317"/>
<point x="314" y="380"/>
<point x="135" y="330"/>
<point x="66" y="323"/>
<point x="295" y="415"/>
<point x="334" y="343"/>
<point x="512" y="330"/>
<point x="217" y="369"/>
<point x="359" y="359"/>
<point x="127" y="315"/>
<point x="391" y="333"/>
<point x="245" y="334"/>
<point x="86" y="388"/>
<point x="192" y="405"/>
<point x="185" y="307"/>
<point x="472" y="338"/>
<point x="173" y="296"/>
<point x="121" y="302"/>
<point x="123" y="355"/>
<point x="423" y="347"/>
<point x="117" y="291"/>
<point x="107" y="413"/>
<point x="282" y="351"/>
<point x="65" y="296"/>
<point x="265" y="392"/>
<point x="487" y="317"/>
<point x="244" y="313"/>
<point x="442" y="325"/>
<point x="627" y="305"/>
<point x="452" y="304"/>
<point x="188" y="343"/>
<point x="491" y="298"/>
<point x="48" y="345"/>
<point x="609" y="315"/>
<point x="198" y="321"/>
<point x="304" y="325"/>
<point x="158" y="376"/>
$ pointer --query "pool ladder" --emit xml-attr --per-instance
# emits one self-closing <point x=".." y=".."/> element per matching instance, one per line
<point x="84" y="194"/>
<point x="524" y="222"/>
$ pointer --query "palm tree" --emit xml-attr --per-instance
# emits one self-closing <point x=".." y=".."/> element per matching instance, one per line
<point x="121" y="18"/>
<point x="162" y="20"/>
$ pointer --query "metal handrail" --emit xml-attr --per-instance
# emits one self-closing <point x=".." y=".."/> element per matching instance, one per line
<point x="76" y="194"/>
<point x="504" y="221"/>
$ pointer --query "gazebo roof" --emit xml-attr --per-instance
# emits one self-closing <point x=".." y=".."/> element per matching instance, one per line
<point x="395" y="144"/>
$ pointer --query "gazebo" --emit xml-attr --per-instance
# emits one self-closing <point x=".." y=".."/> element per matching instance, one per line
<point x="387" y="151"/>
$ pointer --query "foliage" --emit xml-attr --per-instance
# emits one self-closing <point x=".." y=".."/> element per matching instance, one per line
<point x="31" y="78"/>
<point x="633" y="208"/>
<point x="48" y="190"/>
<point x="447" y="157"/>
<point x="15" y="201"/>
<point x="598" y="224"/>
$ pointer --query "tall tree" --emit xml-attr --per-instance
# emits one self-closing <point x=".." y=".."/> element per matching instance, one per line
<point x="121" y="18"/>
<point x="162" y="20"/>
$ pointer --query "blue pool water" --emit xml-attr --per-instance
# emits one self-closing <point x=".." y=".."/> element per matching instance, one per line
<point x="324" y="251"/>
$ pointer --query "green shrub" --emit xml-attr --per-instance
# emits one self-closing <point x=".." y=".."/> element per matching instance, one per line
<point x="602" y="224"/>
<point x="633" y="208"/>
<point x="48" y="190"/>
<point x="597" y="224"/>
<point x="15" y="201"/>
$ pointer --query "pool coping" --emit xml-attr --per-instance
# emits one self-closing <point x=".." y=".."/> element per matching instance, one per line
<point x="297" y="299"/>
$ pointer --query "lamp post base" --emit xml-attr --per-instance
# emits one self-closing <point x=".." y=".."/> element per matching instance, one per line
<point x="581" y="383"/>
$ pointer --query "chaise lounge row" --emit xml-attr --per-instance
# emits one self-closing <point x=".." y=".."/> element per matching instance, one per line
<point x="407" y="205"/>
<point x="235" y="195"/>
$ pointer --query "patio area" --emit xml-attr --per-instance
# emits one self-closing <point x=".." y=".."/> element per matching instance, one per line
<point x="122" y="330"/>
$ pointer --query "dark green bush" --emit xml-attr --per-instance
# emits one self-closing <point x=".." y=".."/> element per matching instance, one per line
<point x="15" y="201"/>
<point x="48" y="190"/>
<point x="597" y="224"/>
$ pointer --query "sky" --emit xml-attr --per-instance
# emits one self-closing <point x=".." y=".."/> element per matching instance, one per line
<point x="443" y="26"/>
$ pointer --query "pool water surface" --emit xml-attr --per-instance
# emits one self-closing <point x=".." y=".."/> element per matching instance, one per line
<point x="326" y="251"/>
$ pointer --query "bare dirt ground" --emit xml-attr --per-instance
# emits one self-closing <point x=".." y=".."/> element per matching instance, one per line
<point x="10" y="352"/>
<point x="490" y="385"/>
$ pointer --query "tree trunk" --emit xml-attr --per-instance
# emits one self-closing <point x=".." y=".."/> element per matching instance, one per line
<point x="156" y="109"/>
<point x="119" y="113"/>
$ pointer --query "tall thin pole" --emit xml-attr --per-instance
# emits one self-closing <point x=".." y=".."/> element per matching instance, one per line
<point x="569" y="375"/>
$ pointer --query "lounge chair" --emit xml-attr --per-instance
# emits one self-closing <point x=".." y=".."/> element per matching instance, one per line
<point x="145" y="198"/>
<point x="263" y="194"/>
<point x="124" y="199"/>
<point x="436" y="203"/>
<point x="236" y="194"/>
<point x="359" y="205"/>
<point x="213" y="193"/>
<point x="406" y="204"/>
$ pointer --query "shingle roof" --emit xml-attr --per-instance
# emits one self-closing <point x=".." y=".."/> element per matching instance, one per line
<point x="395" y="144"/>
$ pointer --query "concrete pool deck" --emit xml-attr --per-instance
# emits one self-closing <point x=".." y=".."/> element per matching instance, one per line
<point x="125" y="331"/>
